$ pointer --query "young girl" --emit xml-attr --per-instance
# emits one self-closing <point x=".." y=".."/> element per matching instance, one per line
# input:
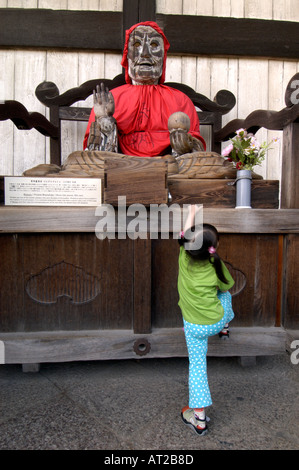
<point x="206" y="306"/>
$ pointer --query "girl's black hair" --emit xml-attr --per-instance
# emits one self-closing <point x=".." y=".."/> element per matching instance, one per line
<point x="210" y="238"/>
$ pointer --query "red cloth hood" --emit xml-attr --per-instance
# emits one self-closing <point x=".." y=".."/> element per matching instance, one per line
<point x="124" y="61"/>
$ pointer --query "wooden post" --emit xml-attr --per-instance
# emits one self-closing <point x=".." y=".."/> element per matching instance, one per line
<point x="135" y="11"/>
<point x="290" y="167"/>
<point x="290" y="200"/>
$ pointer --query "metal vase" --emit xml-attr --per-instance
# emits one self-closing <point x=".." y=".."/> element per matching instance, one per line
<point x="243" y="189"/>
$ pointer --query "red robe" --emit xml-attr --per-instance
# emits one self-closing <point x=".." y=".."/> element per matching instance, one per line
<point x="142" y="111"/>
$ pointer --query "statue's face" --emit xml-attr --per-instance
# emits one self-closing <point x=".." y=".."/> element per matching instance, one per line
<point x="145" y="56"/>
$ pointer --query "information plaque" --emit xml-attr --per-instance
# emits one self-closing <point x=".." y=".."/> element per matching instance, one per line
<point x="35" y="191"/>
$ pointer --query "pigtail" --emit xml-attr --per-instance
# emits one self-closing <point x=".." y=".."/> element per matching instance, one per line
<point x="215" y="260"/>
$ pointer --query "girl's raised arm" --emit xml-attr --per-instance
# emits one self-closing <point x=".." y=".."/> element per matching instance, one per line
<point x="193" y="209"/>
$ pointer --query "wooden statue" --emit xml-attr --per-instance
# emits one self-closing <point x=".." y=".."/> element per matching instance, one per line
<point x="143" y="118"/>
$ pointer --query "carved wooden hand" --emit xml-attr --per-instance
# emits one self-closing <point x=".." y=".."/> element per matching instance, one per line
<point x="103" y="102"/>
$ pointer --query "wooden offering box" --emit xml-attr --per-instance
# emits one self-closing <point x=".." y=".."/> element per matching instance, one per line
<point x="139" y="180"/>
<point x="68" y="295"/>
<point x="73" y="293"/>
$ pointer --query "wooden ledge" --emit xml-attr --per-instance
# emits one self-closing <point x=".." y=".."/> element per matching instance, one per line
<point x="84" y="219"/>
<point x="64" y="346"/>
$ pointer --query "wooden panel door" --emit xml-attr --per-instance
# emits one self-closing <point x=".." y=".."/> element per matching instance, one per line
<point x="257" y="256"/>
<point x="65" y="282"/>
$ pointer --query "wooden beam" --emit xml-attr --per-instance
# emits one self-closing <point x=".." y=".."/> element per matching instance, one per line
<point x="64" y="346"/>
<point x="83" y="219"/>
<point x="96" y="30"/>
<point x="219" y="36"/>
<point x="199" y="35"/>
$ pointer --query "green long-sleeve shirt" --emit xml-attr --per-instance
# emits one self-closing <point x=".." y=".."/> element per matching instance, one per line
<point x="198" y="285"/>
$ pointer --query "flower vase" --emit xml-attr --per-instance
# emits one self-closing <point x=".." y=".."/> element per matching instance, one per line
<point x="243" y="189"/>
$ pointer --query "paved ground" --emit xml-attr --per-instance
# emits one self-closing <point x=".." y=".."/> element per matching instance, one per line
<point x="135" y="405"/>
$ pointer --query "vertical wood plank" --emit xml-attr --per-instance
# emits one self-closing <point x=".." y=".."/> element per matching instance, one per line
<point x="257" y="9"/>
<point x="74" y="5"/>
<point x="203" y="76"/>
<point x="12" y="282"/>
<point x="130" y="14"/>
<point x="6" y="127"/>
<point x="173" y="7"/>
<point x="256" y="304"/>
<point x="222" y="8"/>
<point x="147" y="10"/>
<point x="91" y="65"/>
<point x="287" y="10"/>
<point x="291" y="294"/>
<point x="111" y="5"/>
<point x="198" y="7"/>
<point x="63" y="69"/>
<point x="165" y="310"/>
<point x="280" y="275"/>
<point x="29" y="145"/>
<point x="174" y="69"/>
<point x="204" y="7"/>
<point x="142" y="286"/>
<point x="112" y="64"/>
<point x="237" y="8"/>
<point x="224" y="75"/>
<point x="91" y="5"/>
<point x="280" y="73"/>
<point x="203" y="86"/>
<point x="188" y="74"/>
<point x="253" y="94"/>
<point x="22" y="3"/>
<point x="53" y="4"/>
<point x="276" y="103"/>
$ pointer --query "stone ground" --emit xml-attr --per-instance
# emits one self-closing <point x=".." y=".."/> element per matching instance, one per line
<point x="135" y="405"/>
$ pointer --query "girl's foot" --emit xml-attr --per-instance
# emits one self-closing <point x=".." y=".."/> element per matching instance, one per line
<point x="192" y="420"/>
<point x="225" y="332"/>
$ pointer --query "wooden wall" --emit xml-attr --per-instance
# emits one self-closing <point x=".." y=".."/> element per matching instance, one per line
<point x="256" y="82"/>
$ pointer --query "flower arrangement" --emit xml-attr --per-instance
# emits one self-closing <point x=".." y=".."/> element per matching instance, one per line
<point x="245" y="151"/>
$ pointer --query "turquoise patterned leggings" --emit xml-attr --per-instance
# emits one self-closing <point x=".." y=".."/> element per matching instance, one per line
<point x="197" y="344"/>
